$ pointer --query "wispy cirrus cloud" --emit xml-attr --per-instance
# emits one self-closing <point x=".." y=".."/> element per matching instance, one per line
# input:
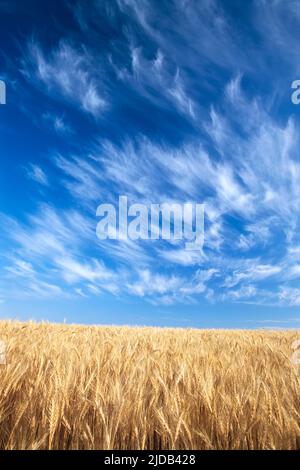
<point x="37" y="174"/>
<point x="66" y="72"/>
<point x="58" y="123"/>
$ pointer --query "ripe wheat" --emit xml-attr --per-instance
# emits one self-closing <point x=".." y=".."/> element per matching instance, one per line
<point x="78" y="387"/>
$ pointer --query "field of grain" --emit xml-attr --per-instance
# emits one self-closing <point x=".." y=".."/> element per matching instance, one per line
<point x="76" y="387"/>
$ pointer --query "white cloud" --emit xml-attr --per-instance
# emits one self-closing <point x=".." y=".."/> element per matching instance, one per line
<point x="58" y="123"/>
<point x="169" y="289"/>
<point x="42" y="289"/>
<point x="290" y="296"/>
<point x="156" y="80"/>
<point x="151" y="284"/>
<point x="36" y="173"/>
<point x="245" y="292"/>
<point x="66" y="73"/>
<point x="255" y="272"/>
<point x="183" y="257"/>
<point x="20" y="267"/>
<point x="74" y="271"/>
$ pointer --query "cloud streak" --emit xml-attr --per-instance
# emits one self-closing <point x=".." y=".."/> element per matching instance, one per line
<point x="66" y="73"/>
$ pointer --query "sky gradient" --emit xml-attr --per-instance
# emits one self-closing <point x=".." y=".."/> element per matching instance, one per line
<point x="161" y="101"/>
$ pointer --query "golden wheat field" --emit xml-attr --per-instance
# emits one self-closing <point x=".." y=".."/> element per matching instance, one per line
<point x="77" y="387"/>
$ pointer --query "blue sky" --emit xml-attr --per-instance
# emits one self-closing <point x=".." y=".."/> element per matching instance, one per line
<point x="169" y="100"/>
